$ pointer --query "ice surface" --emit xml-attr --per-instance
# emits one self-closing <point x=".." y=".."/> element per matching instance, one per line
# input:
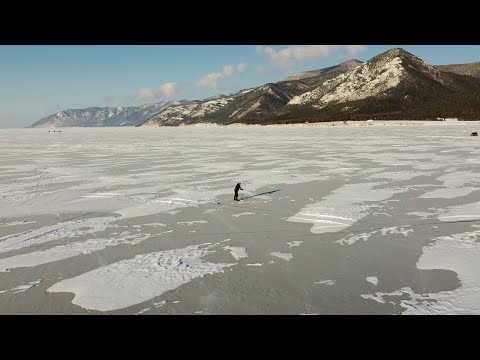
<point x="23" y="287"/>
<point x="283" y="256"/>
<point x="237" y="252"/>
<point x="463" y="212"/>
<point x="294" y="243"/>
<point x="342" y="208"/>
<point x="133" y="281"/>
<point x="459" y="253"/>
<point x="243" y="213"/>
<point x="107" y="187"/>
<point x="352" y="239"/>
<point x="58" y="231"/>
<point x="62" y="252"/>
<point x="325" y="282"/>
<point x="448" y="193"/>
<point x="18" y="223"/>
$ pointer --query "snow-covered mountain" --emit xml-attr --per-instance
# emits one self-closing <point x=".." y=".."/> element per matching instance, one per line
<point x="101" y="116"/>
<point x="376" y="77"/>
<point x="187" y="112"/>
<point x="394" y="84"/>
<point x="393" y="81"/>
<point x="247" y="105"/>
<point x="326" y="73"/>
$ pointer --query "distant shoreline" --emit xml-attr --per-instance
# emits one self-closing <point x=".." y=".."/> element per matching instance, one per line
<point x="315" y="124"/>
<point x="348" y="123"/>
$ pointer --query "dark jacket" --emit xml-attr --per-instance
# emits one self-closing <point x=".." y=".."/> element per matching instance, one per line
<point x="238" y="187"/>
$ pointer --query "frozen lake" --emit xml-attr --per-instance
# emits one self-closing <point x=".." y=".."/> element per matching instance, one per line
<point x="333" y="220"/>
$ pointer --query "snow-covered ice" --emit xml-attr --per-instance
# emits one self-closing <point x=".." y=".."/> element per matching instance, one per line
<point x="133" y="281"/>
<point x="283" y="256"/>
<point x="325" y="282"/>
<point x="237" y="252"/>
<point x="120" y="216"/>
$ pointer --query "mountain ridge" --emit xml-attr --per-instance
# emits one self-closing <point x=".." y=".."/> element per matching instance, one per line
<point x="392" y="84"/>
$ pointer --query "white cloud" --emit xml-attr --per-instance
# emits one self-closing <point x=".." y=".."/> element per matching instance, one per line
<point x="283" y="58"/>
<point x="242" y="67"/>
<point x="169" y="89"/>
<point x="212" y="80"/>
<point x="228" y="70"/>
<point x="146" y="94"/>
<point x="165" y="90"/>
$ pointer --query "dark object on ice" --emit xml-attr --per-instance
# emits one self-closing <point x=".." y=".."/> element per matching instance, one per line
<point x="474" y="134"/>
<point x="236" y="191"/>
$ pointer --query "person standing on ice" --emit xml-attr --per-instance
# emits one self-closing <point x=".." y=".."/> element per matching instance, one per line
<point x="236" y="191"/>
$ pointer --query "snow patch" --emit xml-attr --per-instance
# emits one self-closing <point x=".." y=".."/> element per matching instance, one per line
<point x="242" y="214"/>
<point x="294" y="243"/>
<point x="283" y="256"/>
<point x="18" y="223"/>
<point x="133" y="281"/>
<point x="352" y="239"/>
<point x="325" y="282"/>
<point x="342" y="208"/>
<point x="190" y="223"/>
<point x="68" y="250"/>
<point x="237" y="252"/>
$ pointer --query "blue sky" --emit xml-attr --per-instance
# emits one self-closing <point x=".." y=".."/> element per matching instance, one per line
<point x="36" y="81"/>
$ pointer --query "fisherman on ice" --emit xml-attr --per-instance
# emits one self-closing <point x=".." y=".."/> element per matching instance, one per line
<point x="236" y="191"/>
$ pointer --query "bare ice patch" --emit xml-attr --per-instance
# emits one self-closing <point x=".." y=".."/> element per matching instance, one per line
<point x="372" y="280"/>
<point x="254" y="264"/>
<point x="294" y="243"/>
<point x="283" y="256"/>
<point x="237" y="252"/>
<point x="133" y="281"/>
